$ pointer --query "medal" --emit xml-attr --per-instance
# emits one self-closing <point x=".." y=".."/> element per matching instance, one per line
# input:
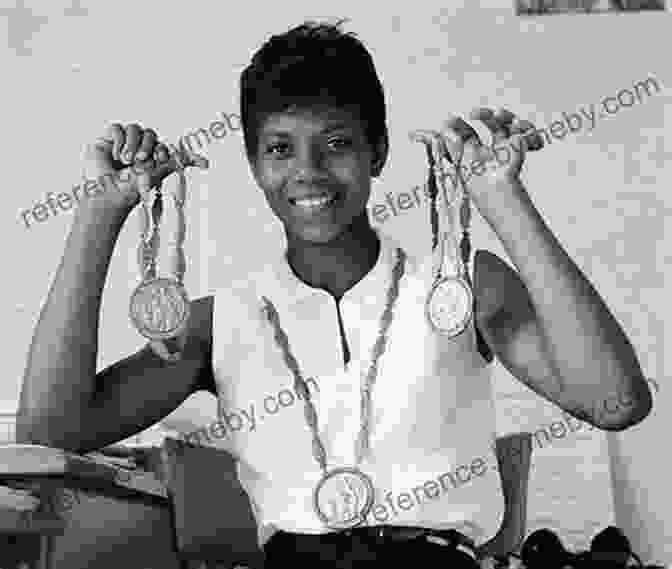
<point x="449" y="304"/>
<point x="450" y="299"/>
<point x="159" y="307"/>
<point x="343" y="497"/>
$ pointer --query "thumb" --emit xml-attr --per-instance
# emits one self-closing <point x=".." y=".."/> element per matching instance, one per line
<point x="519" y="144"/>
<point x="180" y="159"/>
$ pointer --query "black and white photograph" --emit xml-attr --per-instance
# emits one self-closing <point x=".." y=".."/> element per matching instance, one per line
<point x="340" y="285"/>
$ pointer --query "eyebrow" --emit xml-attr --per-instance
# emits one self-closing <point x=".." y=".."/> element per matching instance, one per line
<point x="330" y="128"/>
<point x="336" y="126"/>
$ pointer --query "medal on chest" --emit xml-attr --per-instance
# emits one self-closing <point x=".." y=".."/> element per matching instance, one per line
<point x="344" y="496"/>
<point x="449" y="304"/>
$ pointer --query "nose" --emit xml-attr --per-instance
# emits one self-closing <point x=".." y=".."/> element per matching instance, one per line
<point x="309" y="166"/>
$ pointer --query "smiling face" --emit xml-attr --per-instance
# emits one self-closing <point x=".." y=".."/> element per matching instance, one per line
<point x="315" y="167"/>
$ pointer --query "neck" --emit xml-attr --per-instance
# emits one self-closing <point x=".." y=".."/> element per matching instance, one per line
<point x="338" y="265"/>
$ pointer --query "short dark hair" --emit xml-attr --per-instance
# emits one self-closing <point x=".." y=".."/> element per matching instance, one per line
<point x="314" y="63"/>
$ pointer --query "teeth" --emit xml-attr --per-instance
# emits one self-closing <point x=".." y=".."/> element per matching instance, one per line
<point x="314" y="202"/>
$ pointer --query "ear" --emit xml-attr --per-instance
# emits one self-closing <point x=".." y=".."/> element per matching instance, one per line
<point x="379" y="156"/>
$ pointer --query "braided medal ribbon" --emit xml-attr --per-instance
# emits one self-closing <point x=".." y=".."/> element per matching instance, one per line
<point x="159" y="306"/>
<point x="344" y="496"/>
<point x="449" y="305"/>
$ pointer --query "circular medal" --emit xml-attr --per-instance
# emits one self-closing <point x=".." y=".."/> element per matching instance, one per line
<point x="159" y="308"/>
<point x="343" y="498"/>
<point x="449" y="305"/>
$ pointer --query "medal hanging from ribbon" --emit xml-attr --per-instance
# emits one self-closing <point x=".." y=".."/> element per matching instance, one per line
<point x="449" y="305"/>
<point x="159" y="306"/>
<point x="343" y="497"/>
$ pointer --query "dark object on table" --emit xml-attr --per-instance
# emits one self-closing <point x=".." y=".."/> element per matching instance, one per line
<point x="609" y="549"/>
<point x="543" y="549"/>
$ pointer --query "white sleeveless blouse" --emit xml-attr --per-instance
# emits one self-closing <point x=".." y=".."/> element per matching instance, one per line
<point x="432" y="435"/>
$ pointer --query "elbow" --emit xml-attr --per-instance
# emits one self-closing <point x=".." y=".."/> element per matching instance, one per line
<point x="31" y="430"/>
<point x="634" y="418"/>
<point x="630" y="412"/>
<point x="26" y="433"/>
<point x="24" y="427"/>
<point x="36" y="430"/>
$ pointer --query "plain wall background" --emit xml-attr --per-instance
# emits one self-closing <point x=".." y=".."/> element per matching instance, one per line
<point x="70" y="68"/>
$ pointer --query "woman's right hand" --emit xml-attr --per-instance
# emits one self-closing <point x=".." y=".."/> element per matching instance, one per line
<point x="129" y="158"/>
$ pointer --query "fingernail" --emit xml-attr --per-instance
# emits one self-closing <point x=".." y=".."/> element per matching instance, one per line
<point x="142" y="155"/>
<point x="128" y="157"/>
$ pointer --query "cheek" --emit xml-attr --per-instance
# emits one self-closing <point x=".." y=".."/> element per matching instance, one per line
<point x="270" y="181"/>
<point x="363" y="183"/>
<point x="271" y="184"/>
<point x="352" y="168"/>
<point x="353" y="174"/>
<point x="273" y="195"/>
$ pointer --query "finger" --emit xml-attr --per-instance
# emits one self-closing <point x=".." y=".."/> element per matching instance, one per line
<point x="422" y="135"/>
<point x="531" y="136"/>
<point x="133" y="138"/>
<point x="174" y="164"/>
<point x="147" y="143"/>
<point x="115" y="133"/>
<point x="462" y="128"/>
<point x="101" y="147"/>
<point x="505" y="117"/>
<point x="161" y="153"/>
<point x="519" y="126"/>
<point x="186" y="158"/>
<point x="533" y="140"/>
<point x="488" y="117"/>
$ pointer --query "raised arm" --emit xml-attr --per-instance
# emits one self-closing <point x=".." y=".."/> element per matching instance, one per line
<point x="63" y="402"/>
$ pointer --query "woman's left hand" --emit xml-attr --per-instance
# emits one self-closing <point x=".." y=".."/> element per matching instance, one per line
<point x="483" y="167"/>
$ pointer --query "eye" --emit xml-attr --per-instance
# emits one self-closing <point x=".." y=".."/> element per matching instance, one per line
<point x="278" y="149"/>
<point x="339" y="142"/>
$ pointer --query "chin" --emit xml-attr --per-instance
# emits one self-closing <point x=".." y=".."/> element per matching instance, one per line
<point x="318" y="235"/>
<point x="326" y="230"/>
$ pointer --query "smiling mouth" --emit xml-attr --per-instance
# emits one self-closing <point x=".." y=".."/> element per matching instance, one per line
<point x="313" y="204"/>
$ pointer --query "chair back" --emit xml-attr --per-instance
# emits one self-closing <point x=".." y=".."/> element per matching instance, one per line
<point x="213" y="517"/>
